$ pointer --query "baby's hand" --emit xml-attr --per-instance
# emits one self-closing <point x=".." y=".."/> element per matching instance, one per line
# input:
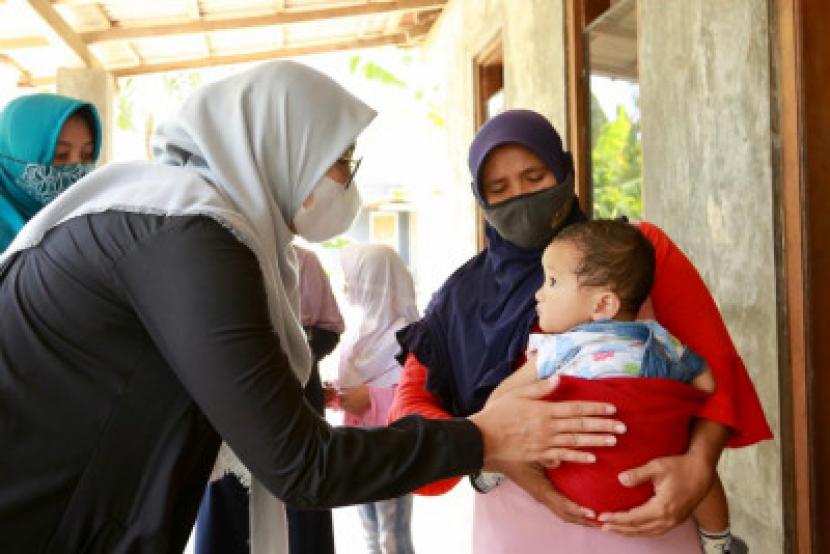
<point x="355" y="400"/>
<point x="330" y="393"/>
<point x="522" y="376"/>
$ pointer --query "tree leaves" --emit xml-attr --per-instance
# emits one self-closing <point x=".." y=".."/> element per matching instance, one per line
<point x="616" y="164"/>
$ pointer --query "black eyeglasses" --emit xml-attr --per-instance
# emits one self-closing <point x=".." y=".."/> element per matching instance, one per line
<point x="350" y="164"/>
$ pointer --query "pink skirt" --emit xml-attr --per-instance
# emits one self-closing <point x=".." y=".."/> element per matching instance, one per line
<point x="508" y="521"/>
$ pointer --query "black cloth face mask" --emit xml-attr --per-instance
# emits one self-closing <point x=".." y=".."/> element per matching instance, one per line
<point x="531" y="220"/>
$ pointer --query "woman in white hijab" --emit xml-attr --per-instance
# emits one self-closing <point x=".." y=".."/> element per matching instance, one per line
<point x="152" y="309"/>
<point x="380" y="287"/>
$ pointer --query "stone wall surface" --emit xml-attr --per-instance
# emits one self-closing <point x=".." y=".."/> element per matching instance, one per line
<point x="705" y="105"/>
<point x="707" y="180"/>
<point x="533" y="35"/>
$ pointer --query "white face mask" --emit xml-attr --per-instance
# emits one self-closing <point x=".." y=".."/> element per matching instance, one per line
<point x="332" y="211"/>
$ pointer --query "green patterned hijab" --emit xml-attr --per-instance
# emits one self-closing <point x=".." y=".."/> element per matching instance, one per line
<point x="29" y="130"/>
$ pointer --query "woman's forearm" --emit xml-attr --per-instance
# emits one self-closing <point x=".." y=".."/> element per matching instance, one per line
<point x="411" y="396"/>
<point x="683" y="305"/>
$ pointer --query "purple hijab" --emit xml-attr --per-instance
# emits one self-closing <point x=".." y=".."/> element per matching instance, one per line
<point x="477" y="324"/>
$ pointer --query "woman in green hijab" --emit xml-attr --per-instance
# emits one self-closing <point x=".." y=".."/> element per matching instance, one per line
<point x="47" y="142"/>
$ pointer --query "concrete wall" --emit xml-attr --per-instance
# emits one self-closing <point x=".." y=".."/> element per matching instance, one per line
<point x="98" y="87"/>
<point x="535" y="72"/>
<point x="705" y="105"/>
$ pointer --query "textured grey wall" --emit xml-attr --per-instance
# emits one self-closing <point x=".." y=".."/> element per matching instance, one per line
<point x="533" y="34"/>
<point x="705" y="104"/>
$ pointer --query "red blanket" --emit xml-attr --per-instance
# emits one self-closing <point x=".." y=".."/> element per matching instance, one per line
<point x="657" y="414"/>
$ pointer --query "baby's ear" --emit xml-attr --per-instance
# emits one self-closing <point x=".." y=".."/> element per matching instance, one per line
<point x="606" y="306"/>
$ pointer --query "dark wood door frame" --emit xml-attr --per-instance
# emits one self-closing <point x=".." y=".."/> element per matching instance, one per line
<point x="792" y="282"/>
<point x="488" y="79"/>
<point x="578" y="15"/>
<point x="804" y="115"/>
<point x="815" y="109"/>
<point x="801" y="63"/>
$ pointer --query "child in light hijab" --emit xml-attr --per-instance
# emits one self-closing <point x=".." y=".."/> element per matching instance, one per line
<point x="379" y="285"/>
<point x="311" y="531"/>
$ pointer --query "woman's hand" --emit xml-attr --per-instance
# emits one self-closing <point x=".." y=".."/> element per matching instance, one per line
<point x="680" y="483"/>
<point x="521" y="427"/>
<point x="355" y="400"/>
<point x="532" y="479"/>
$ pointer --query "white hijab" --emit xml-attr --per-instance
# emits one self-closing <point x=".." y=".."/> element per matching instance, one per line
<point x="380" y="285"/>
<point x="245" y="151"/>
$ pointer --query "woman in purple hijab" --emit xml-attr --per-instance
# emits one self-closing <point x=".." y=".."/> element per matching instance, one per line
<point x="474" y="333"/>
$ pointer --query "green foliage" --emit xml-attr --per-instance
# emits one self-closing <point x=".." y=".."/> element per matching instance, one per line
<point x="436" y="118"/>
<point x="178" y="86"/>
<point x="125" y="117"/>
<point x="400" y="195"/>
<point x="336" y="243"/>
<point x="598" y="118"/>
<point x="372" y="71"/>
<point x="616" y="164"/>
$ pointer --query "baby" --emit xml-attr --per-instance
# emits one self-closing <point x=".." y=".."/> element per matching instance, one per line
<point x="598" y="275"/>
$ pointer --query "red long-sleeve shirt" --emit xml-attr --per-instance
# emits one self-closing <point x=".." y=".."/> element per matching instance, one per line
<point x="683" y="305"/>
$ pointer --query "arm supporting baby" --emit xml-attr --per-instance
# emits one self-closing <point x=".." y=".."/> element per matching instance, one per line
<point x="684" y="305"/>
<point x="680" y="483"/>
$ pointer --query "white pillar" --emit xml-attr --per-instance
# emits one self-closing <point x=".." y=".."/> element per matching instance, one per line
<point x="96" y="86"/>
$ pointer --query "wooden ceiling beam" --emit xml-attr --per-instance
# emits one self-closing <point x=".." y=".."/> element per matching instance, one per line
<point x="422" y="26"/>
<point x="24" y="77"/>
<point x="48" y="80"/>
<point x="53" y="20"/>
<point x="194" y="10"/>
<point x="281" y="18"/>
<point x="211" y="61"/>
<point x="23" y="42"/>
<point x="138" y="59"/>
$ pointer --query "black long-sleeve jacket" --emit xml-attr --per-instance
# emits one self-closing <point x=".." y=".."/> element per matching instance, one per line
<point x="129" y="343"/>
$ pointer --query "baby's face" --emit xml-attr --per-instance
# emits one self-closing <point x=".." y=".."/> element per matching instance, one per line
<point x="561" y="302"/>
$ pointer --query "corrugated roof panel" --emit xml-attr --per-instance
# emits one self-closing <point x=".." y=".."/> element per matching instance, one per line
<point x="84" y="17"/>
<point x="317" y="31"/>
<point x="115" y="54"/>
<point x="170" y="48"/>
<point x="237" y="8"/>
<point x="44" y="62"/>
<point x="16" y="21"/>
<point x="24" y="36"/>
<point x="307" y="4"/>
<point x="233" y="42"/>
<point x="130" y="13"/>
